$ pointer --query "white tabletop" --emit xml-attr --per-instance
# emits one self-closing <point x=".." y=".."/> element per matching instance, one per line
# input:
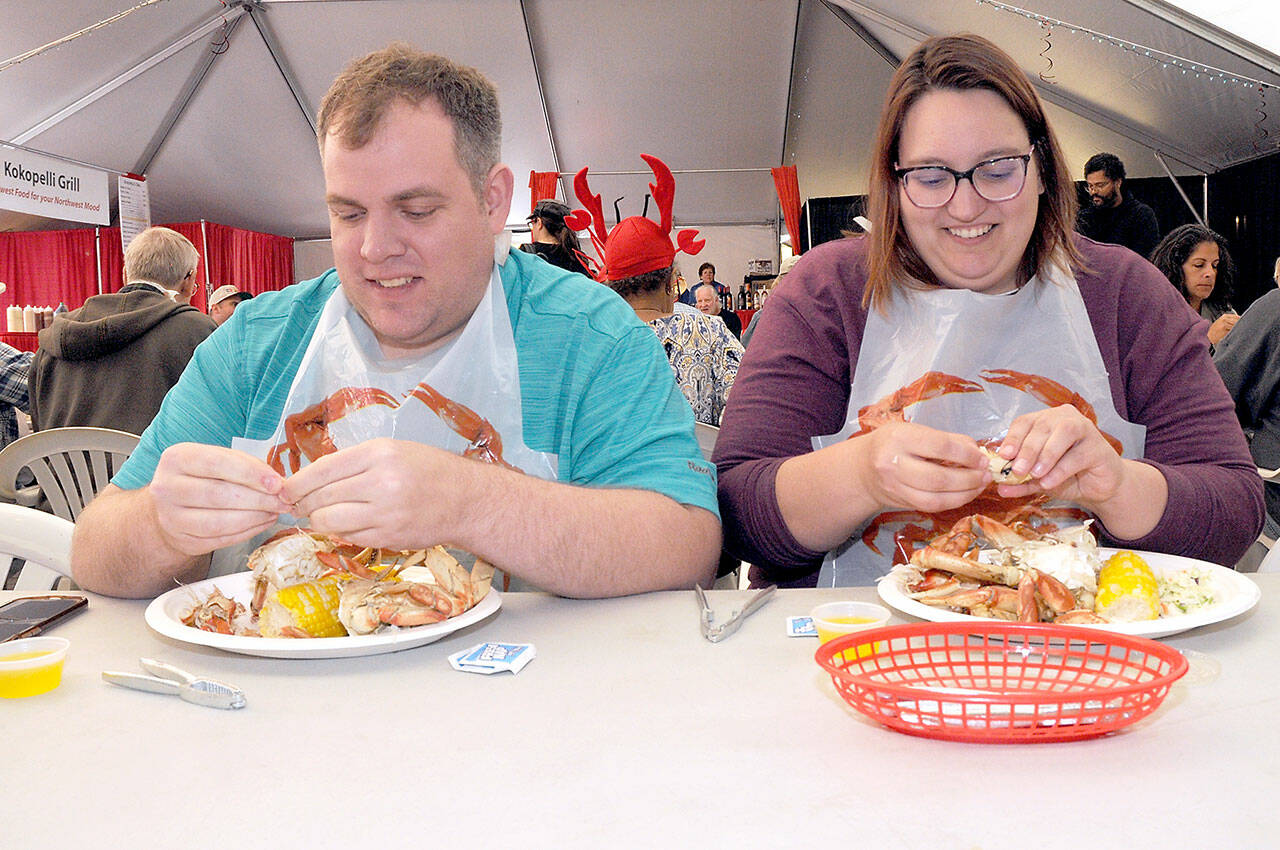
<point x="628" y="729"/>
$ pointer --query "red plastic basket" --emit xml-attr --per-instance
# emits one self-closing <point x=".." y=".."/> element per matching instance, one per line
<point x="1001" y="682"/>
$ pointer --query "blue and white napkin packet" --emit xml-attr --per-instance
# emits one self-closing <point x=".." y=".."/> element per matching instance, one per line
<point x="492" y="657"/>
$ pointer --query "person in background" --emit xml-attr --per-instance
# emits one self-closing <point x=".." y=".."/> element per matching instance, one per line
<point x="14" y="368"/>
<point x="787" y="264"/>
<point x="554" y="443"/>
<point x="679" y="306"/>
<point x="972" y="206"/>
<point x="706" y="275"/>
<point x="703" y="354"/>
<point x="224" y="300"/>
<point x="707" y="300"/>
<point x="1111" y="216"/>
<point x="553" y="240"/>
<point x="110" y="363"/>
<point x="1248" y="359"/>
<point x="1195" y="260"/>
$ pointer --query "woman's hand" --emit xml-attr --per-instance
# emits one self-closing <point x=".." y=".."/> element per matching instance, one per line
<point x="1221" y="327"/>
<point x="826" y="495"/>
<point x="1064" y="453"/>
<point x="1068" y="457"/>
<point x="905" y="465"/>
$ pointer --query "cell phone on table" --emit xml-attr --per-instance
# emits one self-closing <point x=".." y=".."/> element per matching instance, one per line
<point x="30" y="615"/>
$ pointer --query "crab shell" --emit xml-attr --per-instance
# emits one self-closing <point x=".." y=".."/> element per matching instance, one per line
<point x="1002" y="470"/>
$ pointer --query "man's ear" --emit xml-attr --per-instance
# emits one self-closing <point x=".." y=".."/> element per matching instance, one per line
<point x="496" y="195"/>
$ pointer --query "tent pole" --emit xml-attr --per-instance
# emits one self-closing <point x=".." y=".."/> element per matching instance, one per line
<point x="282" y="64"/>
<point x="204" y="256"/>
<point x="111" y="85"/>
<point x="542" y="98"/>
<point x="1178" y="186"/>
<point x="179" y="106"/>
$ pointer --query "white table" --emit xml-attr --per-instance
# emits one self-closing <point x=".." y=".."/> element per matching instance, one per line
<point x="628" y="729"/>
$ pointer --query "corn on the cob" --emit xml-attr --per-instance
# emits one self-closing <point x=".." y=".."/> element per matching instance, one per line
<point x="1127" y="590"/>
<point x="309" y="608"/>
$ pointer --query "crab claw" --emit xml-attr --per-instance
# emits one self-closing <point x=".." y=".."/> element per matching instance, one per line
<point x="578" y="220"/>
<point x="663" y="189"/>
<point x="687" y="242"/>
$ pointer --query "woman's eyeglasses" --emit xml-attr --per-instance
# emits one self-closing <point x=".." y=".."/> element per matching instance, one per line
<point x="933" y="186"/>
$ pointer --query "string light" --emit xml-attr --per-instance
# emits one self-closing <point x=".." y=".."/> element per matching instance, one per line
<point x="1166" y="60"/>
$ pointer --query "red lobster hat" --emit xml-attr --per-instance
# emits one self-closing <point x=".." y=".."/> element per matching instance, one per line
<point x="637" y="244"/>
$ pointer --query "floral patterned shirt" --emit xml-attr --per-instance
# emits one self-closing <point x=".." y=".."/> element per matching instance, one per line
<point x="705" y="357"/>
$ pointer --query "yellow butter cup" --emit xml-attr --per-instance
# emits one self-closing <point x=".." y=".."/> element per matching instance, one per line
<point x="31" y="666"/>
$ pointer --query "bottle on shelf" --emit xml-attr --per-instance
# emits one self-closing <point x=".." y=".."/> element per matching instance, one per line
<point x="29" y="319"/>
<point x="13" y="318"/>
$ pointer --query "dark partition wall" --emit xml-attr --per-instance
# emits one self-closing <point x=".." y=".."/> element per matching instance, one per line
<point x="829" y="218"/>
<point x="1244" y="206"/>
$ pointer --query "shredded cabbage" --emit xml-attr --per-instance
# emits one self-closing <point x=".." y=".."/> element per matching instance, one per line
<point x="1185" y="591"/>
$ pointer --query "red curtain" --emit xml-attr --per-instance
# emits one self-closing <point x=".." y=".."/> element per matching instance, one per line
<point x="788" y="186"/>
<point x="48" y="267"/>
<point x="542" y="184"/>
<point x="45" y="268"/>
<point x="252" y="261"/>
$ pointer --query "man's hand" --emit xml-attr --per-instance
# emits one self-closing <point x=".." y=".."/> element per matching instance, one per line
<point x="207" y="497"/>
<point x="384" y="492"/>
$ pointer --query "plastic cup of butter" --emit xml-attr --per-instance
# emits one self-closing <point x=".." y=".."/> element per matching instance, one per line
<point x="31" y="666"/>
<point x="836" y="619"/>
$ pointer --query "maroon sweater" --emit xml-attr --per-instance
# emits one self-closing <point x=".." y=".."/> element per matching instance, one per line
<point x="795" y="378"/>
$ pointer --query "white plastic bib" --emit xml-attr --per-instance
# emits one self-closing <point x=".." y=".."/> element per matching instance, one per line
<point x="465" y="399"/>
<point x="986" y="359"/>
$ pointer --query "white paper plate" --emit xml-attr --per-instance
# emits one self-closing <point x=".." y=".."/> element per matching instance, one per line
<point x="165" y="613"/>
<point x="1236" y="593"/>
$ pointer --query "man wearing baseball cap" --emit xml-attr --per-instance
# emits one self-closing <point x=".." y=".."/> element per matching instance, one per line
<point x="224" y="300"/>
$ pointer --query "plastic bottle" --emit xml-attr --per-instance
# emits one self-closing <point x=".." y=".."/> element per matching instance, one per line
<point x="13" y="318"/>
<point x="29" y="319"/>
<point x="61" y="308"/>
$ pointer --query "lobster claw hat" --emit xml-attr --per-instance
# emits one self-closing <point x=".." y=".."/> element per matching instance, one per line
<point x="637" y="244"/>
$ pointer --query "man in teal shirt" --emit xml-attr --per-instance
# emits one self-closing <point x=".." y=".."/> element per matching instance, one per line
<point x="409" y="146"/>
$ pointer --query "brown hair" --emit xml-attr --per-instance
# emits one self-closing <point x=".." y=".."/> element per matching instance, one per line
<point x="359" y="99"/>
<point x="962" y="62"/>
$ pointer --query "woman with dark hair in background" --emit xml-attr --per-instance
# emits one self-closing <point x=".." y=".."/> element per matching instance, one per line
<point x="1196" y="261"/>
<point x="972" y="316"/>
<point x="552" y="238"/>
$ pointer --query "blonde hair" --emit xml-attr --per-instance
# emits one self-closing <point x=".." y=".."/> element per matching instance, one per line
<point x="362" y="94"/>
<point x="162" y="256"/>
<point x="963" y="63"/>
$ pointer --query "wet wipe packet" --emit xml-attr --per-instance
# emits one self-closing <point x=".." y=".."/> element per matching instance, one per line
<point x="493" y="657"/>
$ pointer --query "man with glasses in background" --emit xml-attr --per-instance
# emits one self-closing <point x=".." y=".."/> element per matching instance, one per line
<point x="1112" y="217"/>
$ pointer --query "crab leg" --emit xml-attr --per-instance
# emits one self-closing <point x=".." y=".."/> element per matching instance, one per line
<point x="1050" y="392"/>
<point x="927" y="386"/>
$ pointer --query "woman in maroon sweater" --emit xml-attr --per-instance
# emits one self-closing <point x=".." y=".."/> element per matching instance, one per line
<point x="972" y="203"/>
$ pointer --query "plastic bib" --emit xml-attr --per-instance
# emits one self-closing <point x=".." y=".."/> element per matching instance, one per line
<point x="969" y="363"/>
<point x="464" y="398"/>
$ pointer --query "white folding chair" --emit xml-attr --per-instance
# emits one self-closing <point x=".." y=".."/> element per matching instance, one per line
<point x="707" y="435"/>
<point x="70" y="465"/>
<point x="40" y="539"/>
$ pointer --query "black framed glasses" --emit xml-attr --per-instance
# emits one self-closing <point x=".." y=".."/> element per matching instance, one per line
<point x="933" y="186"/>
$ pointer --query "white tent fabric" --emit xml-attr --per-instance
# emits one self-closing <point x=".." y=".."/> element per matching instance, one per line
<point x="213" y="101"/>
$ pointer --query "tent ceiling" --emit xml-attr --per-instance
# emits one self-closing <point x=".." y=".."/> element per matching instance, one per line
<point x="204" y="96"/>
